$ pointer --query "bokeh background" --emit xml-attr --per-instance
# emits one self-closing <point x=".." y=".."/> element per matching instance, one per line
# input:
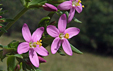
<point x="95" y="39"/>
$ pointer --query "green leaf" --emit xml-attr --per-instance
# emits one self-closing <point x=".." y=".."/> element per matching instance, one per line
<point x="27" y="0"/>
<point x="61" y="53"/>
<point x="3" y="29"/>
<point x="23" y="2"/>
<point x="37" y="69"/>
<point x="55" y="1"/>
<point x="36" y="3"/>
<point x="7" y="50"/>
<point x="75" y="49"/>
<point x="20" y="66"/>
<point x="43" y="21"/>
<point x="13" y="44"/>
<point x="11" y="63"/>
<point x="1" y="46"/>
<point x="76" y="20"/>
<point x="9" y="20"/>
<point x="18" y="55"/>
<point x="2" y="12"/>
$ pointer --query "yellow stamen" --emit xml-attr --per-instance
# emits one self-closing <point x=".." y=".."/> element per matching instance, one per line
<point x="39" y="43"/>
<point x="40" y="40"/>
<point x="79" y="1"/>
<point x="83" y="6"/>
<point x="66" y="36"/>
<point x="78" y="4"/>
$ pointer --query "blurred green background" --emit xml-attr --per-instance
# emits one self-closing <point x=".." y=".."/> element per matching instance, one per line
<point x="94" y="40"/>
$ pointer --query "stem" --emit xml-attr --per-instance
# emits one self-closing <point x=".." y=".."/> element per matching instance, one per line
<point x="15" y="19"/>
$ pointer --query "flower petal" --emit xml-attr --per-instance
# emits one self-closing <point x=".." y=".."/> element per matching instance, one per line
<point x="55" y="45"/>
<point x="52" y="31"/>
<point x="66" y="47"/>
<point x="71" y="0"/>
<point x="41" y="60"/>
<point x="37" y="34"/>
<point x="49" y="7"/>
<point x="26" y="33"/>
<point x="23" y="47"/>
<point x="71" y="14"/>
<point x="73" y="31"/>
<point x="79" y="8"/>
<point x="33" y="58"/>
<point x="62" y="23"/>
<point x="41" y="51"/>
<point x="65" y="5"/>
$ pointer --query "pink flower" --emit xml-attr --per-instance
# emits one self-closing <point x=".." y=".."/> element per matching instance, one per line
<point x="49" y="7"/>
<point x="61" y="35"/>
<point x="33" y="44"/>
<point x="71" y="5"/>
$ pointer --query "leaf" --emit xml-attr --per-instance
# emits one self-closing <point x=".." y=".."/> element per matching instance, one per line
<point x="3" y="29"/>
<point x="1" y="46"/>
<point x="11" y="63"/>
<point x="9" y="20"/>
<point x="75" y="49"/>
<point x="8" y="50"/>
<point x="61" y="53"/>
<point x="76" y="20"/>
<point x="43" y="20"/>
<point x="55" y="1"/>
<point x="13" y="44"/>
<point x="36" y="3"/>
<point x="37" y="69"/>
<point x="2" y="12"/>
<point x="20" y="66"/>
<point x="23" y="2"/>
<point x="18" y="55"/>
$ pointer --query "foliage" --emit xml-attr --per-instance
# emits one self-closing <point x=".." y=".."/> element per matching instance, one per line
<point x="16" y="52"/>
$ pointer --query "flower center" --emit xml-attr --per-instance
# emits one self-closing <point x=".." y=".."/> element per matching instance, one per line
<point x="77" y="3"/>
<point x="61" y="35"/>
<point x="33" y="44"/>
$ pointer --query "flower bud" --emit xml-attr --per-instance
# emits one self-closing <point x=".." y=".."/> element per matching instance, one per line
<point x="49" y="7"/>
<point x="0" y="16"/>
<point x="41" y="60"/>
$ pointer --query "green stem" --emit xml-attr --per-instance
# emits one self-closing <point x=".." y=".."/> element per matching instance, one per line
<point x="15" y="19"/>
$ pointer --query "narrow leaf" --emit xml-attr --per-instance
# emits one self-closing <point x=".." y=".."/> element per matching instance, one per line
<point x="18" y="55"/>
<point x="75" y="49"/>
<point x="61" y="53"/>
<point x="42" y="21"/>
<point x="76" y="20"/>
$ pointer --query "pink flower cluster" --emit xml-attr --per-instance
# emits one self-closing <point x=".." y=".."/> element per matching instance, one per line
<point x="33" y="43"/>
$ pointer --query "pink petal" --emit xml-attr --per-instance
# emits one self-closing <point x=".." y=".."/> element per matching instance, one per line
<point x="26" y="33"/>
<point x="37" y="34"/>
<point x="52" y="31"/>
<point x="41" y="60"/>
<point x="55" y="45"/>
<point x="71" y="0"/>
<point x="23" y="47"/>
<point x="66" y="47"/>
<point x="41" y="51"/>
<point x="33" y="58"/>
<point x="79" y="8"/>
<point x="49" y="7"/>
<point x="71" y="14"/>
<point x="62" y="23"/>
<point x="65" y="5"/>
<point x="73" y="31"/>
